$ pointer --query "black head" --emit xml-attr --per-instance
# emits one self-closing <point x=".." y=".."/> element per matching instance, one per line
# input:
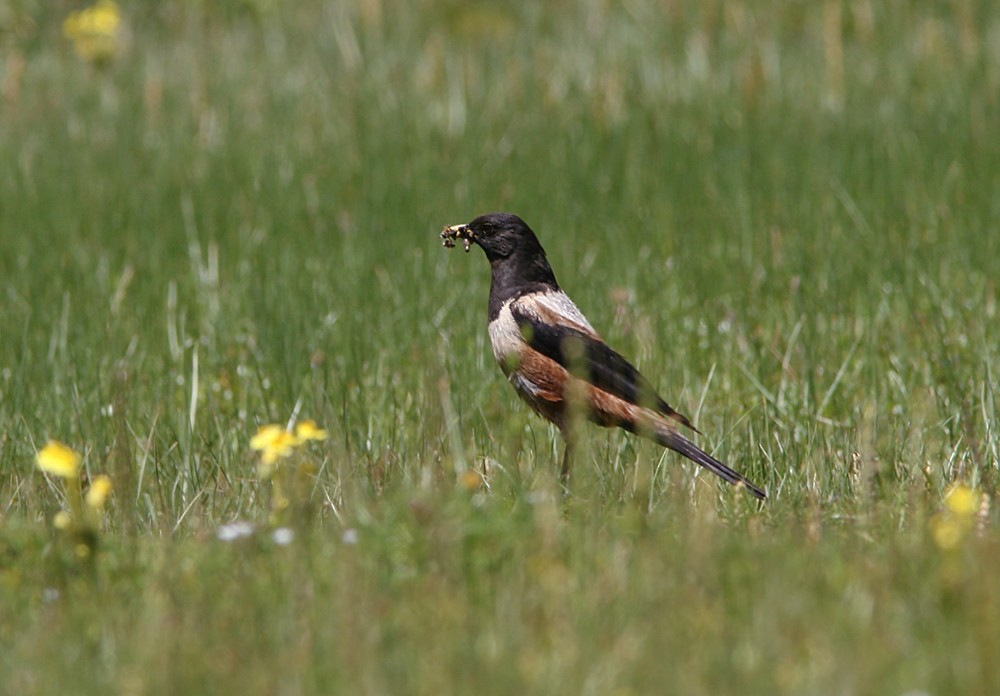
<point x="502" y="235"/>
<point x="515" y="255"/>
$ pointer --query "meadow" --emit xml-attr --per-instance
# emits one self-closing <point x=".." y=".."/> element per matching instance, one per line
<point x="218" y="216"/>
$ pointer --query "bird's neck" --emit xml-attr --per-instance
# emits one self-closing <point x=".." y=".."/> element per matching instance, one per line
<point x="519" y="275"/>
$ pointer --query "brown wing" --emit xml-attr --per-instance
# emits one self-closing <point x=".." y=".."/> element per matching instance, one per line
<point x="591" y="360"/>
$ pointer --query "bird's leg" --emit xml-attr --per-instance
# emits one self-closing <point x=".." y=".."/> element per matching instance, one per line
<point x="567" y="465"/>
<point x="569" y="447"/>
<point x="574" y="412"/>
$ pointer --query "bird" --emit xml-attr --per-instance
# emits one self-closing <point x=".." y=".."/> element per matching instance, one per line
<point x="556" y="360"/>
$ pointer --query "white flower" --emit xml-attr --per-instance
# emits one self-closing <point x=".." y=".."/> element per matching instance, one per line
<point x="234" y="530"/>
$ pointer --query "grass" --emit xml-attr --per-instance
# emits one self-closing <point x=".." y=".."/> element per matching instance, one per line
<point x="786" y="213"/>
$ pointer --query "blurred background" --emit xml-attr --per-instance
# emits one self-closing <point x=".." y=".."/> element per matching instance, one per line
<point x="214" y="215"/>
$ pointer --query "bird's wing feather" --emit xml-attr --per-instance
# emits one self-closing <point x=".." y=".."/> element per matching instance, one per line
<point x="587" y="357"/>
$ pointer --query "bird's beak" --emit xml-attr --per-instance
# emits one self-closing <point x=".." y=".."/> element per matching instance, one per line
<point x="453" y="232"/>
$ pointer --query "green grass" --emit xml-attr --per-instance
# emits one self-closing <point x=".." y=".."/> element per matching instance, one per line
<point x="785" y="213"/>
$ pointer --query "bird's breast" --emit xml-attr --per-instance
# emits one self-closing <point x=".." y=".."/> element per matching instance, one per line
<point x="506" y="339"/>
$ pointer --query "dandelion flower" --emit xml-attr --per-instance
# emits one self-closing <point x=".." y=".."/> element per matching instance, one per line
<point x="98" y="492"/>
<point x="59" y="460"/>
<point x="962" y="501"/>
<point x="470" y="480"/>
<point x="274" y="443"/>
<point x="308" y="430"/>
<point x="950" y="526"/>
<point x="947" y="531"/>
<point x="95" y="31"/>
<point x="266" y="435"/>
<point x="62" y="520"/>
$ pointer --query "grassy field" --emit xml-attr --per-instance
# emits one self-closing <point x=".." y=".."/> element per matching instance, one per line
<point x="785" y="213"/>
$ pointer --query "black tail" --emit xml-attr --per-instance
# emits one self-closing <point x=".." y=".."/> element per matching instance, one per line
<point x="678" y="443"/>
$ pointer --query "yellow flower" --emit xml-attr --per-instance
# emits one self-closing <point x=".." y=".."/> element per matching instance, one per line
<point x="274" y="443"/>
<point x="470" y="480"/>
<point x="59" y="460"/>
<point x="950" y="526"/>
<point x="308" y="430"/>
<point x="948" y="531"/>
<point x="95" y="31"/>
<point x="62" y="521"/>
<point x="962" y="501"/>
<point x="98" y="492"/>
